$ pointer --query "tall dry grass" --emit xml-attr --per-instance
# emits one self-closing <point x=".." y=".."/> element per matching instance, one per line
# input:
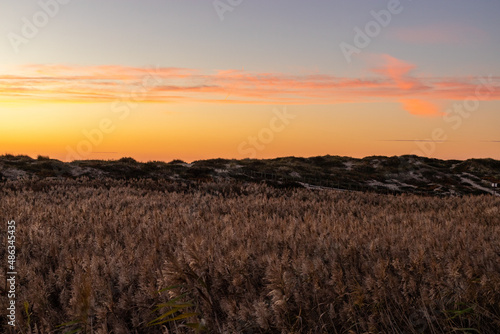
<point x="93" y="255"/>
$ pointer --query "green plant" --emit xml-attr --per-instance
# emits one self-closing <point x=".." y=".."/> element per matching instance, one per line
<point x="458" y="314"/>
<point x="69" y="327"/>
<point x="175" y="310"/>
<point x="28" y="315"/>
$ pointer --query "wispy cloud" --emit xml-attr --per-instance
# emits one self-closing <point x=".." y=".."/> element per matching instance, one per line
<point x="398" y="71"/>
<point x="393" y="80"/>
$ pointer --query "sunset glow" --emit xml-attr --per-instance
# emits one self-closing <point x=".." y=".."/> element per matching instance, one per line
<point x="178" y="80"/>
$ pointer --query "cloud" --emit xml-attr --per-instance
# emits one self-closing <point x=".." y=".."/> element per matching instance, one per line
<point x="394" y="81"/>
<point x="420" y="107"/>
<point x="398" y="71"/>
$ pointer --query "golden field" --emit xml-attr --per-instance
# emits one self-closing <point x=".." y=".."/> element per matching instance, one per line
<point x="99" y="256"/>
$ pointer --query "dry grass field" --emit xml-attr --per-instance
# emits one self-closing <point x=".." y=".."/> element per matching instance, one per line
<point x="100" y="256"/>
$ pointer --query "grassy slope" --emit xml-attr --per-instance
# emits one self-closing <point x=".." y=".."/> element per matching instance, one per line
<point x="406" y="174"/>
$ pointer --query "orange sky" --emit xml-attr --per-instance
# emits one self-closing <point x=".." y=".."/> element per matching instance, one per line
<point x="76" y="112"/>
<point x="265" y="79"/>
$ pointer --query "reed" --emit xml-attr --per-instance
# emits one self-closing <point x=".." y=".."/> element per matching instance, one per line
<point x="247" y="258"/>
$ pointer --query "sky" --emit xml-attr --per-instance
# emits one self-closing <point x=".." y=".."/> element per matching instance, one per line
<point x="190" y="80"/>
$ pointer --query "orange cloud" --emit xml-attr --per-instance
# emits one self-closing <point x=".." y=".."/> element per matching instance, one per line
<point x="420" y="107"/>
<point x="394" y="82"/>
<point x="398" y="71"/>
